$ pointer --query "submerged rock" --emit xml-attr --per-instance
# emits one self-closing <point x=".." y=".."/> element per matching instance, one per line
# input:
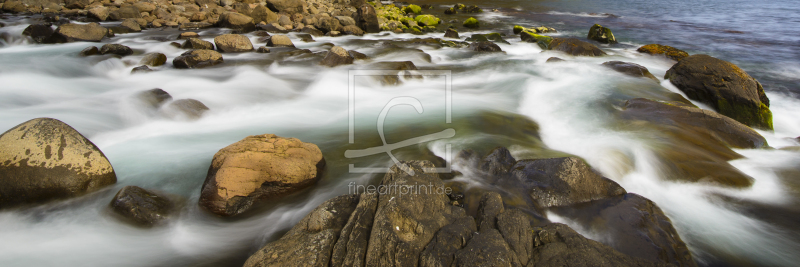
<point x="601" y="34"/>
<point x="256" y="169"/>
<point x="231" y="43"/>
<point x="197" y="59"/>
<point x="154" y="59"/>
<point x="575" y="47"/>
<point x="554" y="59"/>
<point x="556" y="244"/>
<point x="187" y="109"/>
<point x="116" y="49"/>
<point x="485" y="46"/>
<point x="154" y="98"/>
<point x="195" y="43"/>
<point x="140" y="206"/>
<point x="723" y="86"/>
<point x="45" y="159"/>
<point x="89" y="51"/>
<point x="630" y="69"/>
<point x="563" y="181"/>
<point x="262" y="49"/>
<point x="141" y="69"/>
<point x="667" y="51"/>
<point x="337" y="56"/>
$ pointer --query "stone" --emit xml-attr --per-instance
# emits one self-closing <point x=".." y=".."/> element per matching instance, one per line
<point x="357" y="55"/>
<point x="486" y="248"/>
<point x="337" y="56"/>
<point x="141" y="69"/>
<point x="450" y="11"/>
<point x="187" y="35"/>
<point x="563" y="181"/>
<point x="154" y="98"/>
<point x="14" y="7"/>
<point x="352" y="30"/>
<point x="665" y="50"/>
<point x="515" y="227"/>
<point x="45" y="159"/>
<point x="601" y="34"/>
<point x="471" y="23"/>
<point x="186" y="109"/>
<point x="556" y="244"/>
<point x="154" y="59"/>
<point x="328" y="25"/>
<point x="554" y="59"/>
<point x="232" y="43"/>
<point x="518" y="29"/>
<point x="575" y="47"/>
<point x="543" y="41"/>
<point x="723" y="86"/>
<point x="286" y="6"/>
<point x="412" y="9"/>
<point x="236" y="21"/>
<point x="40" y="33"/>
<point x="76" y="4"/>
<point x="195" y="25"/>
<point x="472" y="9"/>
<point x="145" y="7"/>
<point x="100" y="13"/>
<point x="125" y="12"/>
<point x="257" y="169"/>
<point x="141" y="206"/>
<point x="91" y="32"/>
<point x="485" y="46"/>
<point x="131" y="25"/>
<point x="491" y="205"/>
<point x="89" y="51"/>
<point x="630" y="69"/>
<point x="200" y="58"/>
<point x="263" y="49"/>
<point x="284" y="20"/>
<point x="427" y="20"/>
<point x="451" y="33"/>
<point x="195" y="43"/>
<point x="351" y="246"/>
<point x="447" y="241"/>
<point x="367" y="19"/>
<point x="279" y="41"/>
<point x="346" y="21"/>
<point x="116" y="49"/>
<point x="263" y="14"/>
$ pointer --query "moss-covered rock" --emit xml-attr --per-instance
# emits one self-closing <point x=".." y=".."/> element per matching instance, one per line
<point x="450" y="11"/>
<point x="412" y="9"/>
<point x="601" y="34"/>
<point x="518" y="29"/>
<point x="427" y="20"/>
<point x="541" y="40"/>
<point x="668" y="51"/>
<point x="471" y="23"/>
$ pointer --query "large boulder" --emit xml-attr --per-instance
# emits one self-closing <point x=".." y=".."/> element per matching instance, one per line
<point x="259" y="168"/>
<point x="91" y="32"/>
<point x="367" y="19"/>
<point x="100" y="13"/>
<point x="485" y="46"/>
<point x="337" y="56"/>
<point x="286" y="6"/>
<point x="237" y="21"/>
<point x="723" y="86"/>
<point x="125" y="12"/>
<point x="141" y="206"/>
<point x="601" y="34"/>
<point x="556" y="244"/>
<point x="261" y="13"/>
<point x="14" y="7"/>
<point x="352" y="30"/>
<point x="116" y="49"/>
<point x="668" y="51"/>
<point x="44" y="159"/>
<point x="130" y="25"/>
<point x="196" y="43"/>
<point x="233" y="43"/>
<point x="279" y="41"/>
<point x="40" y="33"/>
<point x="575" y="47"/>
<point x="630" y="69"/>
<point x="196" y="59"/>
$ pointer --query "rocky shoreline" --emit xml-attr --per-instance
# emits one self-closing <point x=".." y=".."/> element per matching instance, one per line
<point x="506" y="224"/>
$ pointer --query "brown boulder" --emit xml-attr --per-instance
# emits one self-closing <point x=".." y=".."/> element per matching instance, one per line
<point x="367" y="19"/>
<point x="337" y="56"/>
<point x="200" y="58"/>
<point x="100" y="13"/>
<point x="195" y="43"/>
<point x="259" y="168"/>
<point x="237" y="21"/>
<point x="154" y="59"/>
<point x="230" y="43"/>
<point x="630" y="69"/>
<point x="187" y="35"/>
<point x="286" y="6"/>
<point x="668" y="51"/>
<point x="91" y="32"/>
<point x="575" y="47"/>
<point x="279" y="41"/>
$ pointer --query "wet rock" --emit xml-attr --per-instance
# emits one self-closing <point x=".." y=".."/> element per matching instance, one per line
<point x="263" y="49"/>
<point x="352" y="30"/>
<point x="237" y="21"/>
<point x="601" y="34"/>
<point x="286" y="6"/>
<point x="116" y="49"/>
<point x="186" y="109"/>
<point x="447" y="241"/>
<point x="195" y="43"/>
<point x="558" y="245"/>
<point x="313" y="31"/>
<point x="279" y="41"/>
<point x="197" y="59"/>
<point x="563" y="181"/>
<point x="723" y="86"/>
<point x="76" y="4"/>
<point x="486" y="248"/>
<point x="515" y="227"/>
<point x="498" y="162"/>
<point x="125" y="12"/>
<point x="357" y="55"/>
<point x="472" y="9"/>
<point x="143" y="207"/>
<point x="351" y="246"/>
<point x="471" y="23"/>
<point x="45" y="159"/>
<point x="491" y="205"/>
<point x="100" y="13"/>
<point x="312" y="240"/>
<point x="154" y="59"/>
<point x="14" y="7"/>
<point x="187" y="35"/>
<point x="541" y="40"/>
<point x="367" y="19"/>
<point x="231" y="43"/>
<point x="412" y="9"/>
<point x="141" y="69"/>
<point x="256" y="169"/>
<point x="667" y="51"/>
<point x="575" y="47"/>
<point x="263" y="14"/>
<point x="450" y="11"/>
<point x="91" y="32"/>
<point x="337" y="56"/>
<point x="451" y="33"/>
<point x="328" y="25"/>
<point x="154" y="98"/>
<point x="305" y="37"/>
<point x="427" y="20"/>
<point x="89" y="51"/>
<point x="40" y="33"/>
<point x="636" y="225"/>
<point x="554" y="59"/>
<point x="485" y="47"/>
<point x="630" y="69"/>
<point x="403" y="67"/>
<point x="131" y="25"/>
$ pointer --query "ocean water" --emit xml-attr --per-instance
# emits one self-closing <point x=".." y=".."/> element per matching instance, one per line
<point x="573" y="104"/>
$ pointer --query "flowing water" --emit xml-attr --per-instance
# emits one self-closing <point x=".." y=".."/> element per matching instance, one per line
<point x="496" y="98"/>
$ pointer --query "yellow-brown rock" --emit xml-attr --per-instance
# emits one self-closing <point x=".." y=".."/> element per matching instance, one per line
<point x="258" y="168"/>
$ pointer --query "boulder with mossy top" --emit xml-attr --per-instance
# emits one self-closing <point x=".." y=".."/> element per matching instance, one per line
<point x="200" y="58"/>
<point x="723" y="86"/>
<point x="337" y="56"/>
<point x="472" y="9"/>
<point x="494" y="37"/>
<point x="412" y="9"/>
<point x="45" y="159"/>
<point x="471" y="23"/>
<point x="450" y="11"/>
<point x="518" y="29"/>
<point x="531" y="37"/>
<point x="601" y="34"/>
<point x="665" y="50"/>
<point x="427" y="20"/>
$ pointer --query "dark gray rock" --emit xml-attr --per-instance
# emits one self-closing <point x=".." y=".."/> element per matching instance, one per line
<point x="89" y="51"/>
<point x="630" y="69"/>
<point x="563" y="181"/>
<point x="575" y="47"/>
<point x="367" y="19"/>
<point x="449" y="240"/>
<point x="116" y="49"/>
<point x="485" y="46"/>
<point x="40" y="33"/>
<point x="142" y="207"/>
<point x="558" y="245"/>
<point x="451" y="33"/>
<point x="141" y="69"/>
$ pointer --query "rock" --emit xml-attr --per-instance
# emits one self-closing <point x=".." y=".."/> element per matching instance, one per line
<point x="237" y="21"/>
<point x="601" y="34"/>
<point x="346" y="20"/>
<point x="76" y="4"/>
<point x="131" y="25"/>
<point x="100" y="13"/>
<point x="14" y="7"/>
<point x="305" y="37"/>
<point x="263" y="14"/>
<point x="542" y="29"/>
<point x="328" y="25"/>
<point x="263" y="49"/>
<point x="187" y="35"/>
<point x="357" y="55"/>
<point x="515" y="227"/>
<point x="451" y="33"/>
<point x="427" y="20"/>
<point x="554" y="59"/>
<point x="667" y="51"/>
<point x="45" y="159"/>
<point x="563" y="181"/>
<point x="556" y="244"/>
<point x="403" y="67"/>
<point x="447" y="241"/>
<point x="195" y="59"/>
<point x="286" y="6"/>
<point x="575" y="47"/>
<point x="154" y="98"/>
<point x="491" y="205"/>
<point x="91" y="32"/>
<point x="195" y="25"/>
<point x="367" y="19"/>
<point x="284" y="20"/>
<point x="273" y="28"/>
<point x="485" y="47"/>
<point x="146" y="7"/>
<point x="450" y="11"/>
<point x="313" y="31"/>
<point x="231" y="43"/>
<point x="472" y="9"/>
<point x="471" y="23"/>
<point x="89" y="51"/>
<point x="412" y="9"/>
<point x="195" y="43"/>
<point x="125" y="12"/>
<point x="498" y="162"/>
<point x="518" y="29"/>
<point x="630" y="69"/>
<point x="723" y="86"/>
<point x="256" y="169"/>
<point x="187" y="109"/>
<point x="311" y="241"/>
<point x="352" y="30"/>
<point x="337" y="56"/>
<point x="531" y="37"/>
<point x="636" y="225"/>
<point x="154" y="59"/>
<point x="141" y="206"/>
<point x="486" y="248"/>
<point x="40" y="33"/>
<point x="116" y="49"/>
<point x="351" y="246"/>
<point x="279" y="41"/>
<point x="141" y="69"/>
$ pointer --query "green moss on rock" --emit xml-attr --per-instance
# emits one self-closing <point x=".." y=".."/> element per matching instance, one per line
<point x="412" y="9"/>
<point x="601" y="34"/>
<point x="427" y="20"/>
<point x="518" y="29"/>
<point x="471" y="23"/>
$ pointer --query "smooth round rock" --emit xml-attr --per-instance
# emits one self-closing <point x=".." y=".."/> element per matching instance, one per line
<point x="232" y="43"/>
